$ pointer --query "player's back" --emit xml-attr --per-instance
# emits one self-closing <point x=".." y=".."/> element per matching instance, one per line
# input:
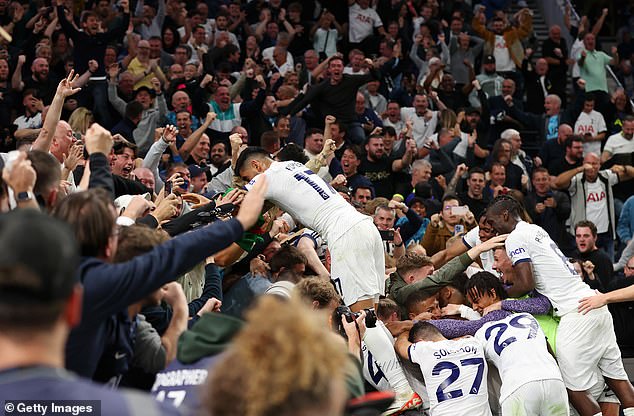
<point x="455" y="373"/>
<point x="517" y="347"/>
<point x="555" y="277"/>
<point x="309" y="199"/>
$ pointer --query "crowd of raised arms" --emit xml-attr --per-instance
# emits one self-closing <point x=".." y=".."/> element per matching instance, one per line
<point x="316" y="207"/>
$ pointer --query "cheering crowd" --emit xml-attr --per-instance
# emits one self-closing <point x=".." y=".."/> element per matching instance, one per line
<point x="319" y="207"/>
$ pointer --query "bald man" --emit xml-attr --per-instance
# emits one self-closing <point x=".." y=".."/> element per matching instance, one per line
<point x="39" y="80"/>
<point x="182" y="102"/>
<point x="555" y="51"/>
<point x="591" y="197"/>
<point x="538" y="84"/>
<point x="145" y="176"/>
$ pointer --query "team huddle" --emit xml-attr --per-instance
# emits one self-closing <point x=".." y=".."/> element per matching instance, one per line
<point x="543" y="364"/>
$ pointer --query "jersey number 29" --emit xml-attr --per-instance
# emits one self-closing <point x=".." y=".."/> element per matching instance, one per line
<point x="499" y="345"/>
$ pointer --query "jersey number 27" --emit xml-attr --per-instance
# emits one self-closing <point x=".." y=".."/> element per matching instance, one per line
<point x="443" y="395"/>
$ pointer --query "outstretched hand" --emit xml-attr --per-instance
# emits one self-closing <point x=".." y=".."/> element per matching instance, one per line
<point x="591" y="302"/>
<point x="65" y="87"/>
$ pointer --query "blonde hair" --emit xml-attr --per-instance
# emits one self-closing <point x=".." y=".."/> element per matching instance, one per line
<point x="80" y="120"/>
<point x="372" y="205"/>
<point x="317" y="289"/>
<point x="283" y="362"/>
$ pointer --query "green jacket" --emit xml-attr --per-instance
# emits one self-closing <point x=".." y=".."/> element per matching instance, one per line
<point x="211" y="335"/>
<point x="399" y="290"/>
<point x="214" y="332"/>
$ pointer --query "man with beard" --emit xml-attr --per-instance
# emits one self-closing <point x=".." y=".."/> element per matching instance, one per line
<point x="38" y="81"/>
<point x="477" y="130"/>
<point x="572" y="158"/>
<point x="230" y="114"/>
<point x="505" y="44"/>
<point x="220" y="157"/>
<point x="549" y="209"/>
<point x="592" y="197"/>
<point x="489" y="79"/>
<point x="378" y="168"/>
<point x="538" y="264"/>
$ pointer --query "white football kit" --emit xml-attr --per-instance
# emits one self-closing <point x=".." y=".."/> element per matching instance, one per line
<point x="583" y="341"/>
<point x="372" y="373"/>
<point x="516" y="345"/>
<point x="455" y="373"/>
<point x="356" y="248"/>
<point x="472" y="239"/>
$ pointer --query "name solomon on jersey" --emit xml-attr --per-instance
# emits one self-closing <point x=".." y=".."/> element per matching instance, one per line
<point x="442" y="353"/>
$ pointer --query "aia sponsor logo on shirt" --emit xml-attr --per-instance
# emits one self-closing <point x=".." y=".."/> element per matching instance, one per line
<point x="589" y="129"/>
<point x="595" y="197"/>
<point x="364" y="19"/>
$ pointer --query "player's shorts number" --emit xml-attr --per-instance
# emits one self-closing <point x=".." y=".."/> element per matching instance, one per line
<point x="443" y="395"/>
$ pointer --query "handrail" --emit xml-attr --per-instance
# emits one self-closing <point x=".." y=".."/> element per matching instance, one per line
<point x="572" y="10"/>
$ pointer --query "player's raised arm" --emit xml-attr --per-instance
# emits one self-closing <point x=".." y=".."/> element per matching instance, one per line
<point x="490" y="244"/>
